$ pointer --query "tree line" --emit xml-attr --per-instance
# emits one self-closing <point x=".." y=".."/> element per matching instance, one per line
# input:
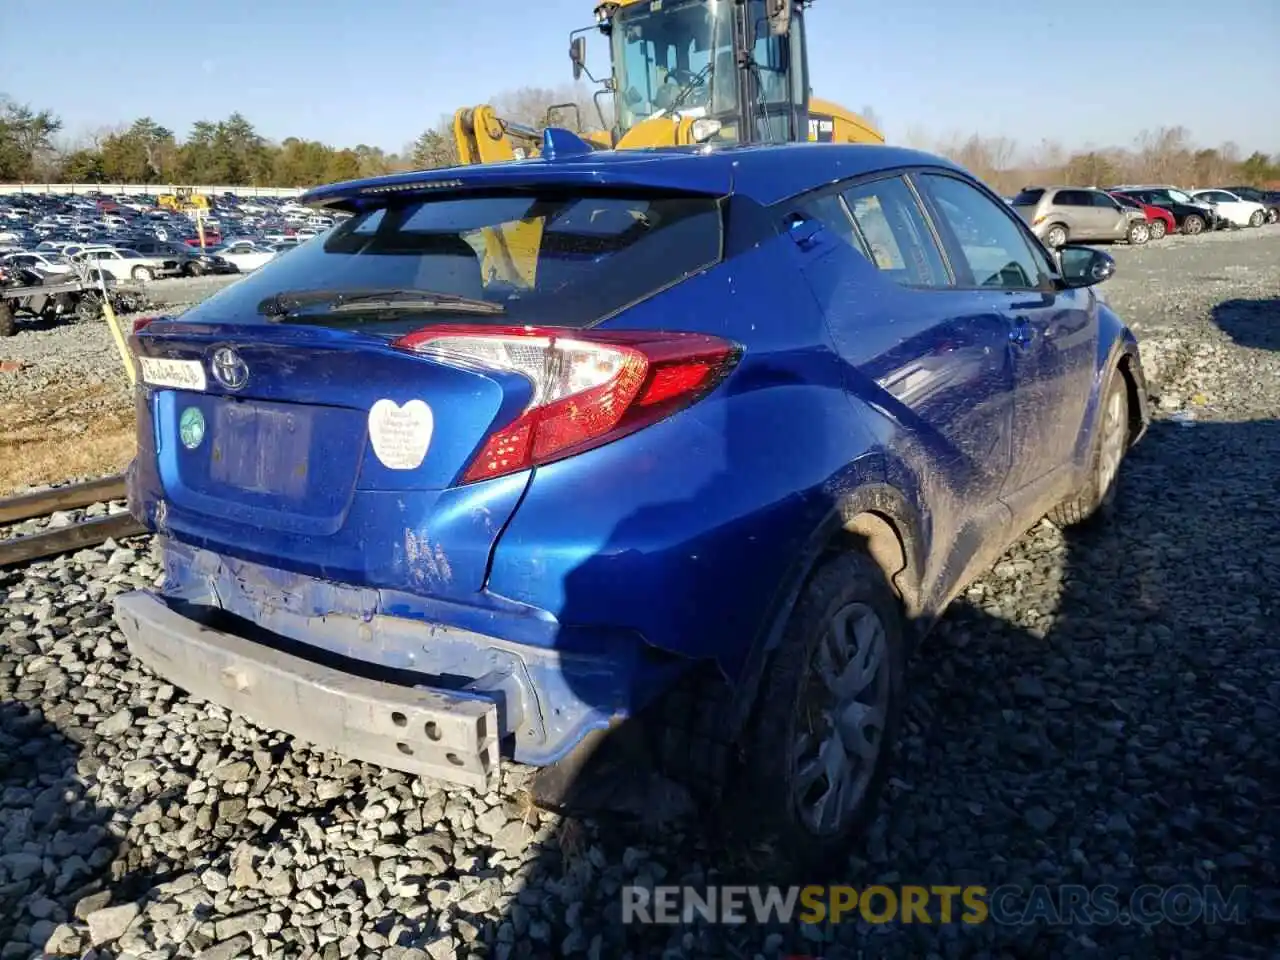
<point x="233" y="152"/>
<point x="1163" y="155"/>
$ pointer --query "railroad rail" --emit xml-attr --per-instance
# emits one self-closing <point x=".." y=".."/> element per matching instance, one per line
<point x="86" y="533"/>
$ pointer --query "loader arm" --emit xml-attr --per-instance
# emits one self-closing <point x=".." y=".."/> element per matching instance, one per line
<point x="481" y="136"/>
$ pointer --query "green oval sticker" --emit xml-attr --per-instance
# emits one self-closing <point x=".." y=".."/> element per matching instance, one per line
<point x="191" y="427"/>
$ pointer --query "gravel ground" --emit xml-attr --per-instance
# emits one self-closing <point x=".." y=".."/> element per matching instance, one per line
<point x="1098" y="709"/>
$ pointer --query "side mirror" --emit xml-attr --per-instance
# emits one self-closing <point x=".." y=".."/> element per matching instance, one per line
<point x="778" y="13"/>
<point x="578" y="56"/>
<point x="1084" y="266"/>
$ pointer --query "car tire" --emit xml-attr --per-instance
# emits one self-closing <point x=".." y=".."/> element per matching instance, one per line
<point x="1139" y="233"/>
<point x="1273" y="214"/>
<point x="1096" y="499"/>
<point x="7" y="325"/>
<point x="1257" y="219"/>
<point x="143" y="274"/>
<point x="1193" y="225"/>
<point x="1158" y="229"/>
<point x="1055" y="236"/>
<point x="848" y="620"/>
<point x="194" y="269"/>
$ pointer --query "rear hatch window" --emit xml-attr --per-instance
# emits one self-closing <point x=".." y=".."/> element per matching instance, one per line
<point x="544" y="258"/>
<point x="1028" y="197"/>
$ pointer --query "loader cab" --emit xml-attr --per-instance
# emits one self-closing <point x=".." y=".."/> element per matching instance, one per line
<point x="735" y="67"/>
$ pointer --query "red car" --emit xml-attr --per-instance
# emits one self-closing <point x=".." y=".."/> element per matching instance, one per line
<point x="1160" y="220"/>
<point x="212" y="239"/>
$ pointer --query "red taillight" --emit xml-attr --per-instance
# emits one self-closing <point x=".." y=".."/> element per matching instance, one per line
<point x="141" y="323"/>
<point x="589" y="386"/>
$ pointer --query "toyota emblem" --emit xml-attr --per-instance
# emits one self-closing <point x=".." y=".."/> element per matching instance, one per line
<point x="229" y="369"/>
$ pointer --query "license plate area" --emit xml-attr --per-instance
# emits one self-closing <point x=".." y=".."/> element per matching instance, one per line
<point x="260" y="449"/>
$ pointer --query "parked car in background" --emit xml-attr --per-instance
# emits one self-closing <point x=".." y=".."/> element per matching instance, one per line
<point x="50" y="264"/>
<point x="247" y="254"/>
<point x="1191" y="216"/>
<point x="1237" y="211"/>
<point x="1268" y="198"/>
<point x="471" y="499"/>
<point x="1060" y="214"/>
<point x="212" y="238"/>
<point x="191" y="262"/>
<point x="1160" y="221"/>
<point x="125" y="264"/>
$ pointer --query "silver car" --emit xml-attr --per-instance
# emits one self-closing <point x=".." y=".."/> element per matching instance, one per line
<point x="1060" y="214"/>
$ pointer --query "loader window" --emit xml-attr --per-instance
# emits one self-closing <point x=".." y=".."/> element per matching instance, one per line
<point x="557" y="258"/>
<point x="676" y="57"/>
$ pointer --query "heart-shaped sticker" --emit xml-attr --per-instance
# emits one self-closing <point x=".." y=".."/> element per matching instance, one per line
<point x="400" y="435"/>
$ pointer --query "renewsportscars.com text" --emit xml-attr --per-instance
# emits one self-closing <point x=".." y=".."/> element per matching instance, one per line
<point x="1008" y="905"/>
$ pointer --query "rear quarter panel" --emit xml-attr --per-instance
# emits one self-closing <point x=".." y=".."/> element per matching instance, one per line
<point x="686" y="531"/>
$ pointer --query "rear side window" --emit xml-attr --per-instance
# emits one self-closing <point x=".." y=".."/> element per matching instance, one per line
<point x="1028" y="197"/>
<point x="1072" y="198"/>
<point x="1100" y="199"/>
<point x="894" y="230"/>
<point x="831" y="211"/>
<point x="569" y="260"/>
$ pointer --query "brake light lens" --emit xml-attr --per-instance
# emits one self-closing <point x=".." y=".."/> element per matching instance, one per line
<point x="589" y="387"/>
<point x="141" y="323"/>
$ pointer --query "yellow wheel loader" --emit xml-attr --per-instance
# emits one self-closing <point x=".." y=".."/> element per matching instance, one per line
<point x="183" y="199"/>
<point x="683" y="72"/>
<point x="687" y="72"/>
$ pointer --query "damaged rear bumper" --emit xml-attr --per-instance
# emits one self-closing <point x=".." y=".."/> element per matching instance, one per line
<point x="420" y="730"/>
<point x="432" y="690"/>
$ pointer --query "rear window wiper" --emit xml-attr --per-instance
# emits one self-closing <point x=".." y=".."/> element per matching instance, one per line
<point x="291" y="302"/>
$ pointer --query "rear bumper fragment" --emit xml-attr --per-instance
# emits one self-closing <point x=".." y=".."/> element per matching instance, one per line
<point x="428" y="732"/>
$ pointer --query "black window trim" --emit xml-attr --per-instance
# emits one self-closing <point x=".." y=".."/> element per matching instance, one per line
<point x="838" y="188"/>
<point x="1048" y="280"/>
<point x="1050" y="275"/>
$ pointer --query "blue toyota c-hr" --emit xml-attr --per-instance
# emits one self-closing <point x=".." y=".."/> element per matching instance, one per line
<point x="517" y="451"/>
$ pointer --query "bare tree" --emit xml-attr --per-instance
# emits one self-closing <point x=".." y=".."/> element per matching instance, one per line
<point x="1092" y="169"/>
<point x="918" y="138"/>
<point x="872" y="119"/>
<point x="532" y="106"/>
<point x="1164" y="154"/>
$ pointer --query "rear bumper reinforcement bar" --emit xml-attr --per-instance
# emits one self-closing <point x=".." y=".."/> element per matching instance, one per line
<point x="428" y="732"/>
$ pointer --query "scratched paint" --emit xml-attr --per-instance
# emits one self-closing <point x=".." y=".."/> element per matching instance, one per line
<point x="426" y="561"/>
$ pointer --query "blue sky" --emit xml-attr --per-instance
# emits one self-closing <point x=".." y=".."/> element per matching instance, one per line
<point x="379" y="71"/>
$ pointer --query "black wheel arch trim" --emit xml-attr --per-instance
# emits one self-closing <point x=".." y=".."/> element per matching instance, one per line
<point x="875" y="497"/>
<point x="1126" y="357"/>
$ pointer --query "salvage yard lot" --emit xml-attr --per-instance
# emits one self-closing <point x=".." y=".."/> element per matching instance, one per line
<point x="1099" y="709"/>
<point x="66" y="411"/>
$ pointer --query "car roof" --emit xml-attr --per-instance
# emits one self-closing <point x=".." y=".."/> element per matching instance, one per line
<point x="766" y="173"/>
